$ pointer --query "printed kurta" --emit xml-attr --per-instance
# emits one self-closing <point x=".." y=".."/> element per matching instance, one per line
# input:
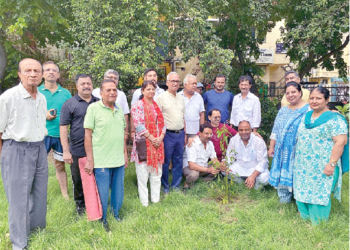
<point x="313" y="152"/>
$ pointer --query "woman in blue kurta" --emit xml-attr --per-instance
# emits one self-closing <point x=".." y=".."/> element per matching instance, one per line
<point x="322" y="136"/>
<point x="283" y="141"/>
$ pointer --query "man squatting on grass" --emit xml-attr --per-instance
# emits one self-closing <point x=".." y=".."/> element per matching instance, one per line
<point x="105" y="148"/>
<point x="250" y="155"/>
<point x="198" y="154"/>
<point x="23" y="154"/>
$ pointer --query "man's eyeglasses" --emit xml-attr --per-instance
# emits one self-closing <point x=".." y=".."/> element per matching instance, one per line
<point x="112" y="78"/>
<point x="174" y="81"/>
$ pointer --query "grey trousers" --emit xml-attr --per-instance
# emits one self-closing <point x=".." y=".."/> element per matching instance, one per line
<point x="193" y="175"/>
<point x="24" y="172"/>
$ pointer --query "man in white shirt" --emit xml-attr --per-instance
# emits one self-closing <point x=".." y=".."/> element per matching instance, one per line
<point x="24" y="165"/>
<point x="198" y="154"/>
<point x="149" y="75"/>
<point x="121" y="97"/>
<point x="194" y="105"/>
<point x="247" y="157"/>
<point x="246" y="106"/>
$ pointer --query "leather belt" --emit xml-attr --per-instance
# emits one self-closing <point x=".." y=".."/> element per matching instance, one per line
<point x="175" y="131"/>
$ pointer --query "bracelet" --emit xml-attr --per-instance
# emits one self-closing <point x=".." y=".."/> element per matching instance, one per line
<point x="133" y="131"/>
<point x="331" y="160"/>
<point x="207" y="170"/>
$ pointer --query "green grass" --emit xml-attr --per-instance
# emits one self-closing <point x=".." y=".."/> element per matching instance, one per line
<point x="255" y="220"/>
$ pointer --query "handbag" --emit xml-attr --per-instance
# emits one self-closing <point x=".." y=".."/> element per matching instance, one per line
<point x="141" y="148"/>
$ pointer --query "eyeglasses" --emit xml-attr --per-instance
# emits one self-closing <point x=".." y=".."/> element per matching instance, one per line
<point x="112" y="78"/>
<point x="174" y="81"/>
<point x="53" y="70"/>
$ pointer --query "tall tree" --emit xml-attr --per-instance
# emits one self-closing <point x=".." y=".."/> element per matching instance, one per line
<point x="233" y="29"/>
<point x="316" y="33"/>
<point x="25" y="28"/>
<point x="121" y="35"/>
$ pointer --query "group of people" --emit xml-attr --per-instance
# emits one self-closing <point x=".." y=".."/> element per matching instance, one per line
<point x="169" y="131"/>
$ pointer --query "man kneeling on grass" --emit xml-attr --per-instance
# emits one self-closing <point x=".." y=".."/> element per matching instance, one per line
<point x="247" y="157"/>
<point x="197" y="156"/>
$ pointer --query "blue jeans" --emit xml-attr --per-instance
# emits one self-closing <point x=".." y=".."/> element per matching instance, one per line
<point x="110" y="178"/>
<point x="173" y="149"/>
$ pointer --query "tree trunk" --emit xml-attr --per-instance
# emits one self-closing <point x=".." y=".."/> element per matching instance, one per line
<point x="3" y="62"/>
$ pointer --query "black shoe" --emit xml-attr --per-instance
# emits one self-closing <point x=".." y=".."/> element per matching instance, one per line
<point x="105" y="225"/>
<point x="80" y="211"/>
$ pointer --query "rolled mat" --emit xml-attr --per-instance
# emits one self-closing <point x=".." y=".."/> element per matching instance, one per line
<point x="92" y="198"/>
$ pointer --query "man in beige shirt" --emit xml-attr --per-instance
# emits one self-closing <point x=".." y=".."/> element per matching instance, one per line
<point x="172" y="106"/>
<point x="23" y="154"/>
<point x="292" y="76"/>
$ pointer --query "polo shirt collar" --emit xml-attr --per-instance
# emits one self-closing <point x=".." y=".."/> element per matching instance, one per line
<point x="93" y="98"/>
<point x="115" y="106"/>
<point x="24" y="92"/>
<point x="59" y="89"/>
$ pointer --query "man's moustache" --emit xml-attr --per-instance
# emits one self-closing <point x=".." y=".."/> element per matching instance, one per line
<point x="86" y="89"/>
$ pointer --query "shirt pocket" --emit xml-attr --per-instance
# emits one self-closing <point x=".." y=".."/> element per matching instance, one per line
<point x="247" y="111"/>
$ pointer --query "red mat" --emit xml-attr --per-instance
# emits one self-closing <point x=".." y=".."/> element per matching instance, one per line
<point x="92" y="198"/>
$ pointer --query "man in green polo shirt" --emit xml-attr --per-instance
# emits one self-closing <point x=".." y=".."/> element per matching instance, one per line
<point x="55" y="97"/>
<point x="105" y="148"/>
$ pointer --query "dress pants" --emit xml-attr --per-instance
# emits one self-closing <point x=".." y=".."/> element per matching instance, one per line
<point x="110" y="178"/>
<point x="77" y="183"/>
<point x="143" y="174"/>
<point x="24" y="172"/>
<point x="173" y="150"/>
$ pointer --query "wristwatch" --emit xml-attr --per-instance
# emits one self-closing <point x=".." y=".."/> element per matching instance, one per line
<point x="332" y="164"/>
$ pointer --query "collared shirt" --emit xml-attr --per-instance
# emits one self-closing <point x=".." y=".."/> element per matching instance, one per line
<point x="200" y="155"/>
<point x="137" y="94"/>
<point x="247" y="158"/>
<point x="107" y="134"/>
<point x="54" y="100"/>
<point x="305" y="97"/>
<point x="173" y="109"/>
<point x="248" y="109"/>
<point x="121" y="99"/>
<point x="221" y="101"/>
<point x="73" y="113"/>
<point x="193" y="106"/>
<point x="22" y="118"/>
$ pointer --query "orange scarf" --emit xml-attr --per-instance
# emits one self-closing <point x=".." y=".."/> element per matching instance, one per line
<point x="154" y="155"/>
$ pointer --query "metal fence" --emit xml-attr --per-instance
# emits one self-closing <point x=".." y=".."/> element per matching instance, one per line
<point x="338" y="92"/>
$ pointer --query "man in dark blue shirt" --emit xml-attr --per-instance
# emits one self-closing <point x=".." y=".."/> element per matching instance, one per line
<point x="219" y="98"/>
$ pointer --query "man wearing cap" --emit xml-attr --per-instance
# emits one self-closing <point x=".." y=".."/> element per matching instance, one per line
<point x="200" y="87"/>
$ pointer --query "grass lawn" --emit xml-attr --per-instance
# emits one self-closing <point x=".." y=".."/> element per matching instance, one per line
<point x="255" y="220"/>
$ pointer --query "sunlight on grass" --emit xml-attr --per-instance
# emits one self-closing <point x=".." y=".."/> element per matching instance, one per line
<point x="255" y="220"/>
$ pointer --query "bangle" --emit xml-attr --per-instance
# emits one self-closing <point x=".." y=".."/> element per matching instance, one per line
<point x="132" y="131"/>
<point x="331" y="160"/>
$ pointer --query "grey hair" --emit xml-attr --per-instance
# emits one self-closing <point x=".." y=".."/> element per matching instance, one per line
<point x="188" y="76"/>
<point x="291" y="72"/>
<point x="171" y="73"/>
<point x="51" y="62"/>
<point x="111" y="71"/>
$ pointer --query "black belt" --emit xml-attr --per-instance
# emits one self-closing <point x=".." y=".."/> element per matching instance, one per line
<point x="175" y="131"/>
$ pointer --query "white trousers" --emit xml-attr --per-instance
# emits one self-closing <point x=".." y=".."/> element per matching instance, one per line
<point x="155" y="182"/>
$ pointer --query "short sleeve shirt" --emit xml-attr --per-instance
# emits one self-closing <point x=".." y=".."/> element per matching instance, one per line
<point x="221" y="101"/>
<point x="22" y="118"/>
<point x="173" y="109"/>
<point x="107" y="134"/>
<point x="54" y="100"/>
<point x="73" y="113"/>
<point x="121" y="99"/>
<point x="193" y="106"/>
<point x="200" y="155"/>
